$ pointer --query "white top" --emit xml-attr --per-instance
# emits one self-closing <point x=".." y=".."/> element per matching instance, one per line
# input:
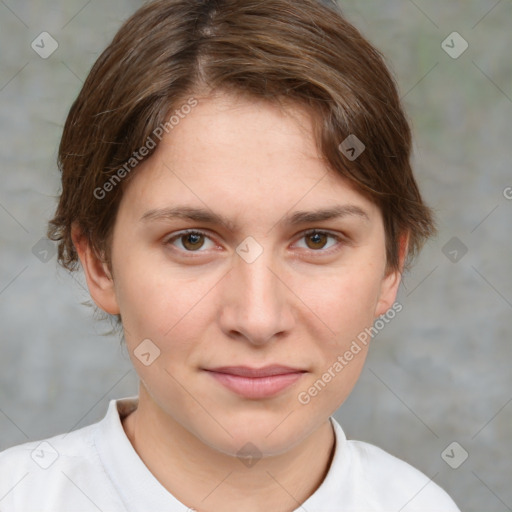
<point x="96" y="469"/>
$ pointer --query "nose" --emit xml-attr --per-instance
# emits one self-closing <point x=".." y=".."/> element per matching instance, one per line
<point x="257" y="304"/>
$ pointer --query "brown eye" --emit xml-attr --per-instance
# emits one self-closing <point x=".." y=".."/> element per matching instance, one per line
<point x="321" y="242"/>
<point x="192" y="241"/>
<point x="316" y="240"/>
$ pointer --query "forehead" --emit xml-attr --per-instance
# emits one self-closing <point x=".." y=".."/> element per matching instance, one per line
<point x="243" y="130"/>
<point x="241" y="154"/>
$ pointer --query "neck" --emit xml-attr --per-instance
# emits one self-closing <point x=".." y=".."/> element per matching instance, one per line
<point x="207" y="480"/>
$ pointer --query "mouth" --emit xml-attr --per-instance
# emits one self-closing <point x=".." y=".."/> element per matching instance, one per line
<point x="256" y="383"/>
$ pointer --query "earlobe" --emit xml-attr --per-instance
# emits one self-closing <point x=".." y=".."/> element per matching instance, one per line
<point x="98" y="276"/>
<point x="388" y="292"/>
<point x="391" y="281"/>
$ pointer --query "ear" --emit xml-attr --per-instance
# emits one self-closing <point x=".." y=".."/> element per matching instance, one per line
<point x="97" y="274"/>
<point x="392" y="279"/>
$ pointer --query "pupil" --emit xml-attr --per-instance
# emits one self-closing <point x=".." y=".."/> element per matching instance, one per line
<point x="193" y="239"/>
<point x="317" y="239"/>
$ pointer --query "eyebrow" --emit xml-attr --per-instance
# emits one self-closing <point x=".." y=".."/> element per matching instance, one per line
<point x="210" y="217"/>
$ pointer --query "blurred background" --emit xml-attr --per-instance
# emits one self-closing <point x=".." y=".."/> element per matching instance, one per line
<point x="437" y="388"/>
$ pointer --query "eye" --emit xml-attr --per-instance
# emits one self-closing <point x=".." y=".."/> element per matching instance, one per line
<point x="317" y="241"/>
<point x="196" y="241"/>
<point x="190" y="241"/>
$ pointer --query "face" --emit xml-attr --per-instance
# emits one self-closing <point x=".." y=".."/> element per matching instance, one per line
<point x="235" y="246"/>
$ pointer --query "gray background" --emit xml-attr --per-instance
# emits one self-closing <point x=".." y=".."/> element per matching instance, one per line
<point x="440" y="372"/>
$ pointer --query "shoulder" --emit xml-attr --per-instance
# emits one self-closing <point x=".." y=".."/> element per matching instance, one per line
<point x="393" y="484"/>
<point x="43" y="454"/>
<point x="39" y="467"/>
<point x="46" y="474"/>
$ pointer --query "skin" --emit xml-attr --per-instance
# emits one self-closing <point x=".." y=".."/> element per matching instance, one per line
<point x="301" y="303"/>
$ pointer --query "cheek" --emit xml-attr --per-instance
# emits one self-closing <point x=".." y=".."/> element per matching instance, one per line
<point x="161" y="304"/>
<point x="344" y="302"/>
<point x="346" y="305"/>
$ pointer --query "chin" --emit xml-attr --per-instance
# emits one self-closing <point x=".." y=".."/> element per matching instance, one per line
<point x="269" y="436"/>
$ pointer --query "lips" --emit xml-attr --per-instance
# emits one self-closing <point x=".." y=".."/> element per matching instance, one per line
<point x="256" y="383"/>
<point x="246" y="371"/>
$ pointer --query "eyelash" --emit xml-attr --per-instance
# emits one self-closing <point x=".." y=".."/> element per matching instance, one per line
<point x="339" y="239"/>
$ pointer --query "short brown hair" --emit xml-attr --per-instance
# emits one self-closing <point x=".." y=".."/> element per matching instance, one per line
<point x="302" y="51"/>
